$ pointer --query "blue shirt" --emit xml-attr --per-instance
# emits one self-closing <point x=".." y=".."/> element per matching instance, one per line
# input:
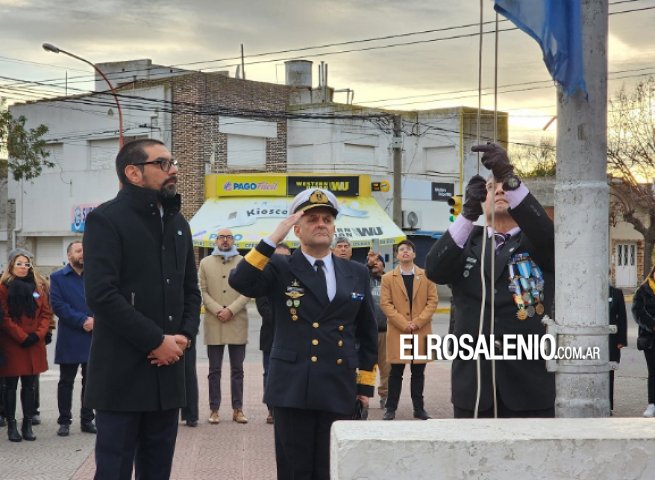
<point x="69" y="304"/>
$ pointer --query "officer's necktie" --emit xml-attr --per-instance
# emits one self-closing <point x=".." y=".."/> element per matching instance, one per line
<point x="501" y="238"/>
<point x="320" y="273"/>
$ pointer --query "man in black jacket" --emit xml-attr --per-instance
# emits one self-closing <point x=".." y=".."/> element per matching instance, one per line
<point x="324" y="332"/>
<point x="524" y="257"/>
<point x="375" y="263"/>
<point x="619" y="339"/>
<point x="267" y="330"/>
<point x="141" y="282"/>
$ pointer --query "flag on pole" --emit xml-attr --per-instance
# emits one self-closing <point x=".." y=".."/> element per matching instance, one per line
<point x="556" y="25"/>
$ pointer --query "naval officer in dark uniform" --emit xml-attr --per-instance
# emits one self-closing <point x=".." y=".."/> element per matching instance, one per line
<point x="325" y="343"/>
<point x="524" y="290"/>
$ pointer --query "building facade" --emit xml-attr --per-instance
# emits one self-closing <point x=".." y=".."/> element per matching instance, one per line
<point x="215" y="124"/>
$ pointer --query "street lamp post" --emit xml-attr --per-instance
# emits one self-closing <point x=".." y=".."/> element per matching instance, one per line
<point x="48" y="47"/>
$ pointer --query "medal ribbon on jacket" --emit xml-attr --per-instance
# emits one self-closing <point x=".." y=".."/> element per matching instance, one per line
<point x="526" y="282"/>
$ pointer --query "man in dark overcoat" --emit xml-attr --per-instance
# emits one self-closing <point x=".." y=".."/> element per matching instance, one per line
<point x="324" y="332"/>
<point x="524" y="239"/>
<point x="267" y="329"/>
<point x="619" y="339"/>
<point x="142" y="285"/>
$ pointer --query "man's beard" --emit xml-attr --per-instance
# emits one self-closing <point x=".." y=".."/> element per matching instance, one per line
<point x="168" y="190"/>
<point x="78" y="264"/>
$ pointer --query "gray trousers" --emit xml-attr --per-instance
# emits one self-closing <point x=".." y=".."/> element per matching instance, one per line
<point x="237" y="355"/>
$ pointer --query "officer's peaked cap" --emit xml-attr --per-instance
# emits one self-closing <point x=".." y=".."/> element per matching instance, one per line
<point x="314" y="198"/>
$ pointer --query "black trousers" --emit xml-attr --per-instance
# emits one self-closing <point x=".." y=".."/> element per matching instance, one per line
<point x="145" y="440"/>
<point x="416" y="386"/>
<point x="3" y="389"/>
<point x="650" y="363"/>
<point x="611" y="372"/>
<point x="190" y="412"/>
<point x="37" y="396"/>
<point x="67" y="374"/>
<point x="504" y="412"/>
<point x="302" y="443"/>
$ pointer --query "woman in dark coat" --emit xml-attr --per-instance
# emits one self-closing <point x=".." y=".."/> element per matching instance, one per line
<point x="27" y="315"/>
<point x="643" y="311"/>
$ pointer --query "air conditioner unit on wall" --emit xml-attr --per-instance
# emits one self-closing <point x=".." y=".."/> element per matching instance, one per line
<point x="412" y="219"/>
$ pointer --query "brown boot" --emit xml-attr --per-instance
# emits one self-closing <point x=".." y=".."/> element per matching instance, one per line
<point x="239" y="417"/>
<point x="213" y="417"/>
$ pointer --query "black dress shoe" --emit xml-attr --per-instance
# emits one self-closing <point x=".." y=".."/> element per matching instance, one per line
<point x="389" y="414"/>
<point x="192" y="423"/>
<point x="64" y="430"/>
<point x="421" y="414"/>
<point x="89" y="427"/>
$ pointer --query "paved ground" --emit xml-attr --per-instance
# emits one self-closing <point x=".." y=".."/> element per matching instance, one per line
<point x="231" y="451"/>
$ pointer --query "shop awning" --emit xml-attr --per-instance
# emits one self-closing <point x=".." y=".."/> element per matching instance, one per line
<point x="362" y="220"/>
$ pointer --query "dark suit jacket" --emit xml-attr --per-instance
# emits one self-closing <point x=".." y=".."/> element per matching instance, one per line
<point x="521" y="384"/>
<point x="314" y="358"/>
<point x="618" y="318"/>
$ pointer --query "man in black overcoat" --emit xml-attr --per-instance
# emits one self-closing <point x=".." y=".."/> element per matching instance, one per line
<point x="619" y="339"/>
<point x="524" y="239"/>
<point x="325" y="344"/>
<point x="141" y="282"/>
<point x="267" y="329"/>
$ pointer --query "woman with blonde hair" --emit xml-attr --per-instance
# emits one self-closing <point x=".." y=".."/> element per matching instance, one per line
<point x="643" y="311"/>
<point x="27" y="314"/>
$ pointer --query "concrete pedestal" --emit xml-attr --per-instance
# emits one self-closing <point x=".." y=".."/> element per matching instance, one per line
<point x="545" y="449"/>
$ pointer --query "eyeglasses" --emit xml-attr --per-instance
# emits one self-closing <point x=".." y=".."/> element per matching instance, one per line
<point x="165" y="164"/>
<point x="21" y="264"/>
<point x="226" y="237"/>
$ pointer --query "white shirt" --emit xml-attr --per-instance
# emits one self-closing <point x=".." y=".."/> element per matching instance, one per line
<point x="330" y="275"/>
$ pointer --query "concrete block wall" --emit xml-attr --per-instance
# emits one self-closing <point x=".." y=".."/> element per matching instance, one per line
<point x="526" y="449"/>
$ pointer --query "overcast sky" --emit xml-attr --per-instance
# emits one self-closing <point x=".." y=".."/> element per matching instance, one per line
<point x="433" y="74"/>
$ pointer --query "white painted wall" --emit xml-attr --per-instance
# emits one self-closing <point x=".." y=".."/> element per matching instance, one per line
<point x="431" y="153"/>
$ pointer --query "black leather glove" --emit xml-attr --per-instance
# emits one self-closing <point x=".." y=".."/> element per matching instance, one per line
<point x="48" y="338"/>
<point x="476" y="194"/>
<point x="495" y="159"/>
<point x="31" y="339"/>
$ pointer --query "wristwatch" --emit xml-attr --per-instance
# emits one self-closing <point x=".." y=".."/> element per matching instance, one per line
<point x="511" y="183"/>
<point x="189" y="342"/>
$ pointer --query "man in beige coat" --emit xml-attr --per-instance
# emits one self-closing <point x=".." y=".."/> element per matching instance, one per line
<point x="226" y="323"/>
<point x="409" y="300"/>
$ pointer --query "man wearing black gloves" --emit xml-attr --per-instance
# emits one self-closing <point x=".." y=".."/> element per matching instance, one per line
<point x="523" y="284"/>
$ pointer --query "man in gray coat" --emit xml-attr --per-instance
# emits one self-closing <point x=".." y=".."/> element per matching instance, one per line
<point x="141" y="283"/>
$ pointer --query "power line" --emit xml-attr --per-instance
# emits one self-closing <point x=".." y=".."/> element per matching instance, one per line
<point x="350" y="42"/>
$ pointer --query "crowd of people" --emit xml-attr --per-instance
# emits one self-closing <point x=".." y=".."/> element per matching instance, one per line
<point x="128" y="308"/>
